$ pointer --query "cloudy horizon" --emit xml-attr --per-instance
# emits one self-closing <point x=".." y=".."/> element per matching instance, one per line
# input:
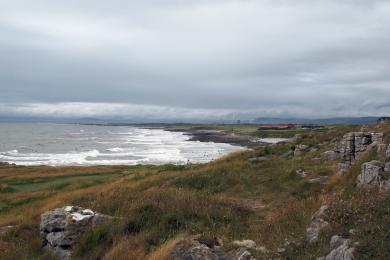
<point x="195" y="59"/>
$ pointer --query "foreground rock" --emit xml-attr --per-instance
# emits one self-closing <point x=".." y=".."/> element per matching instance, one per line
<point x="317" y="224"/>
<point x="198" y="248"/>
<point x="62" y="227"/>
<point x="373" y="174"/>
<point x="341" y="249"/>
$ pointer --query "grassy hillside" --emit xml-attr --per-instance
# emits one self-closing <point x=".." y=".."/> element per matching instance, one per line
<point x="254" y="194"/>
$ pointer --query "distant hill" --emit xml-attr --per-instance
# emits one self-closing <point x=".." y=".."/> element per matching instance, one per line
<point x="321" y="121"/>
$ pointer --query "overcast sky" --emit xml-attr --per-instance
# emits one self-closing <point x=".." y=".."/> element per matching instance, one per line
<point x="195" y="58"/>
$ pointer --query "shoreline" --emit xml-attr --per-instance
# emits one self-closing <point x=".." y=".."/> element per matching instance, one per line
<point x="216" y="136"/>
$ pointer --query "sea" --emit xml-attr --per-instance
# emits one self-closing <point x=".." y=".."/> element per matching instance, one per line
<point x="87" y="145"/>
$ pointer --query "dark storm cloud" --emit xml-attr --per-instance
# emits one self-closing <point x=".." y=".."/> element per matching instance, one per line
<point x="195" y="58"/>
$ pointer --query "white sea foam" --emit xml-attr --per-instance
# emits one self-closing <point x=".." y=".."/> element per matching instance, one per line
<point x="98" y="145"/>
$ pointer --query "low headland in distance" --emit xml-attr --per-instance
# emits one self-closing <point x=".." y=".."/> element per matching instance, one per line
<point x="322" y="192"/>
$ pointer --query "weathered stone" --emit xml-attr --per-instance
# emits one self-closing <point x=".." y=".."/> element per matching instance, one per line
<point x="353" y="145"/>
<point x="300" y="149"/>
<point x="387" y="167"/>
<point x="331" y="155"/>
<point x="341" y="249"/>
<point x="343" y="252"/>
<point x="337" y="241"/>
<point x="5" y="229"/>
<point x="61" y="227"/>
<point x="372" y="174"/>
<point x="245" y="243"/>
<point x="343" y="167"/>
<point x="301" y="173"/>
<point x="321" y="180"/>
<point x="197" y="248"/>
<point x="381" y="149"/>
<point x="388" y="151"/>
<point x="240" y="254"/>
<point x="317" y="224"/>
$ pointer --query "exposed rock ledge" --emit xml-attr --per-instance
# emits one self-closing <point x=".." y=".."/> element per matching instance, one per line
<point x="61" y="227"/>
<point x="351" y="147"/>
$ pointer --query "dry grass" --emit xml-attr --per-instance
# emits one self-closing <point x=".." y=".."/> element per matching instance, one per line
<point x="231" y="198"/>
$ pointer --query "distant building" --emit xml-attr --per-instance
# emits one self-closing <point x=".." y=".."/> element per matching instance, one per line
<point x="312" y="126"/>
<point x="384" y="119"/>
<point x="276" y="126"/>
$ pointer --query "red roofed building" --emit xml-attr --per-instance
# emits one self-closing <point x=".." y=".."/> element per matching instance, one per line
<point x="276" y="126"/>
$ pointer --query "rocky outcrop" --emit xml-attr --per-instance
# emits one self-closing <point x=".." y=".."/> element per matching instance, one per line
<point x="61" y="227"/>
<point x="198" y="248"/>
<point x="352" y="146"/>
<point x="300" y="149"/>
<point x="341" y="249"/>
<point x="317" y="224"/>
<point x="373" y="174"/>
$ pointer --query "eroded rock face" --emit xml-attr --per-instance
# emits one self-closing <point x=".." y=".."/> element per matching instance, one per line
<point x="317" y="224"/>
<point x="196" y="248"/>
<point x="353" y="145"/>
<point x="373" y="174"/>
<point x="61" y="227"/>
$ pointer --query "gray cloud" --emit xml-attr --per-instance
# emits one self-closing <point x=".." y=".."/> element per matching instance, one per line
<point x="265" y="58"/>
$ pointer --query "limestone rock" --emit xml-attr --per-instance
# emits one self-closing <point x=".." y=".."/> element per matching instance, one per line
<point x="337" y="241"/>
<point x="300" y="149"/>
<point x="197" y="248"/>
<point x="245" y="243"/>
<point x="317" y="224"/>
<point x="381" y="149"/>
<point x="240" y="254"/>
<point x="320" y="179"/>
<point x="388" y="151"/>
<point x="331" y="155"/>
<point x="301" y="173"/>
<point x="61" y="227"/>
<point x="353" y="145"/>
<point x="387" y="167"/>
<point x="372" y="174"/>
<point x="342" y="252"/>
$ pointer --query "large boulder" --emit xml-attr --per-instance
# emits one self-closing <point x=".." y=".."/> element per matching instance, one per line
<point x="372" y="174"/>
<point x="317" y="224"/>
<point x="62" y="227"/>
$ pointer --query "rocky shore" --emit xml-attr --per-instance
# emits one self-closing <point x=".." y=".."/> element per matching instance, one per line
<point x="218" y="136"/>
